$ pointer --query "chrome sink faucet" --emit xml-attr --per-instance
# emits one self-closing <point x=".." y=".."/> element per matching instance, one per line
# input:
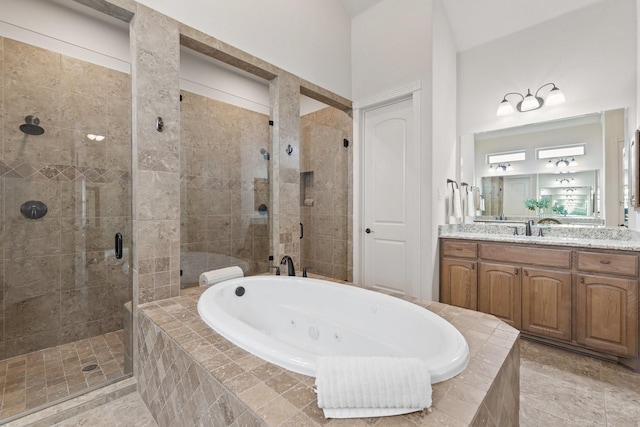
<point x="286" y="260"/>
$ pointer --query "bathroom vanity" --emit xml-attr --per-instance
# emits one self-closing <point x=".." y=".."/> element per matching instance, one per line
<point x="575" y="287"/>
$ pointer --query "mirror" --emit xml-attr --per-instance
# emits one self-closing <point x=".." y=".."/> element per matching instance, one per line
<point x="574" y="196"/>
<point x="587" y="190"/>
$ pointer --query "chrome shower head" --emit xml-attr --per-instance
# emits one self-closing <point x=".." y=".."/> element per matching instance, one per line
<point x="30" y="127"/>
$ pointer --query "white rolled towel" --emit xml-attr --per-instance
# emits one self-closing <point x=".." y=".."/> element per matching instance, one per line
<point x="212" y="277"/>
<point x="356" y="387"/>
<point x="457" y="204"/>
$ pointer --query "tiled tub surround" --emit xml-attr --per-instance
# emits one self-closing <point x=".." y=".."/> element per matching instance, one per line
<point x="558" y="235"/>
<point x="325" y="167"/>
<point x="190" y="375"/>
<point x="224" y="179"/>
<point x="59" y="279"/>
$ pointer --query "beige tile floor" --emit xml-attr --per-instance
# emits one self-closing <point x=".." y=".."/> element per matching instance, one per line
<point x="32" y="380"/>
<point x="558" y="388"/>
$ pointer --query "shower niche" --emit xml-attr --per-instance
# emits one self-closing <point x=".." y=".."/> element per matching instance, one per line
<point x="306" y="189"/>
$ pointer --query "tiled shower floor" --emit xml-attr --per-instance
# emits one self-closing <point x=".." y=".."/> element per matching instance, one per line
<point x="34" y="379"/>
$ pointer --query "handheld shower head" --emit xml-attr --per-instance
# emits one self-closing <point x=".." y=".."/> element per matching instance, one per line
<point x="30" y="127"/>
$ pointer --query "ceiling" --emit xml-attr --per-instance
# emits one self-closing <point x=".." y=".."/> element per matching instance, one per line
<point x="475" y="22"/>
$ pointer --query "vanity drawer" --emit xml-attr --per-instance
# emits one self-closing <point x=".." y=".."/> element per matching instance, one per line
<point x="454" y="248"/>
<point x="598" y="262"/>
<point x="527" y="255"/>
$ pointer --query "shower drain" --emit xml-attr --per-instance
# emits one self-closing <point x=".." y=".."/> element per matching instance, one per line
<point x="89" y="368"/>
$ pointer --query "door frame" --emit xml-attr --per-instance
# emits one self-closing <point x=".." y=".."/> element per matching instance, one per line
<point x="411" y="91"/>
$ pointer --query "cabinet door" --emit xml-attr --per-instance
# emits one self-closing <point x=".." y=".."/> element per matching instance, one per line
<point x="459" y="283"/>
<point x="546" y="303"/>
<point x="499" y="292"/>
<point x="607" y="314"/>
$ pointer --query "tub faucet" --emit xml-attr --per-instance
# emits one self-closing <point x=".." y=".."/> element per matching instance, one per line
<point x="527" y="230"/>
<point x="286" y="260"/>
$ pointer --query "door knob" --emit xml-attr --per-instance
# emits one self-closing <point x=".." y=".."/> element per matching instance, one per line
<point x="367" y="230"/>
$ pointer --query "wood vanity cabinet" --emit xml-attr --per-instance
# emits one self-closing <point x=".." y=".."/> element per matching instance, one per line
<point x="499" y="292"/>
<point x="458" y="274"/>
<point x="575" y="297"/>
<point x="607" y="305"/>
<point x="546" y="303"/>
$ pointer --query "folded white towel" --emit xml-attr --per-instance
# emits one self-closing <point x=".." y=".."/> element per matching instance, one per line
<point x="371" y="386"/>
<point x="212" y="277"/>
<point x="457" y="204"/>
<point x="471" y="207"/>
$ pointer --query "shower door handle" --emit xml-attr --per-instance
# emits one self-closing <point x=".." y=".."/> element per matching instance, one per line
<point x="118" y="245"/>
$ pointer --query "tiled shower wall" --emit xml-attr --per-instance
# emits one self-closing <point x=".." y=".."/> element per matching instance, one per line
<point x="325" y="167"/>
<point x="59" y="279"/>
<point x="224" y="154"/>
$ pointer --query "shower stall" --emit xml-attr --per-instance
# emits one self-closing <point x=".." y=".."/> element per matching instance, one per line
<point x="224" y="172"/>
<point x="325" y="192"/>
<point x="65" y="193"/>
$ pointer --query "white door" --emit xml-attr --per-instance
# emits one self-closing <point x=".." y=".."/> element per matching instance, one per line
<point x="516" y="190"/>
<point x="390" y="188"/>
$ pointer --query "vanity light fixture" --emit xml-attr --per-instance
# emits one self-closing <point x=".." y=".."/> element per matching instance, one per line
<point x="562" y="163"/>
<point x="531" y="102"/>
<point x="501" y="167"/>
<point x="564" y="180"/>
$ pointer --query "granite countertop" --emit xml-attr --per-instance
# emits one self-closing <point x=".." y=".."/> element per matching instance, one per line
<point x="574" y="236"/>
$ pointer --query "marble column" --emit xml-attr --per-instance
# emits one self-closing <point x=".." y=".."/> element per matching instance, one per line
<point x="155" y="55"/>
<point x="285" y="167"/>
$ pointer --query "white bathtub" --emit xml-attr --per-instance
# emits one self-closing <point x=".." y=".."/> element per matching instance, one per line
<point x="288" y="321"/>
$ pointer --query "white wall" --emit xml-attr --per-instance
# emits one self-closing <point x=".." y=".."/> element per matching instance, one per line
<point x="391" y="47"/>
<point x="590" y="54"/>
<point x="307" y="38"/>
<point x="396" y="43"/>
<point x="444" y="148"/>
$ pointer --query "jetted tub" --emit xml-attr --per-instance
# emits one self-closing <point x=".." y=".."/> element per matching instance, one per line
<point x="288" y="321"/>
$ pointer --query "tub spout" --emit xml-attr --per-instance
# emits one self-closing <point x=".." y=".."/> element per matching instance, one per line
<point x="286" y="260"/>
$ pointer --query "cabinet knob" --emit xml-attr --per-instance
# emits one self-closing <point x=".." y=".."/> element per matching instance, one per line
<point x="515" y="271"/>
<point x="582" y="280"/>
<point x="526" y="273"/>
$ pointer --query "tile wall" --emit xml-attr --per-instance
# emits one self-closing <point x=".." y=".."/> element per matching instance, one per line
<point x="224" y="155"/>
<point x="325" y="168"/>
<point x="59" y="279"/>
